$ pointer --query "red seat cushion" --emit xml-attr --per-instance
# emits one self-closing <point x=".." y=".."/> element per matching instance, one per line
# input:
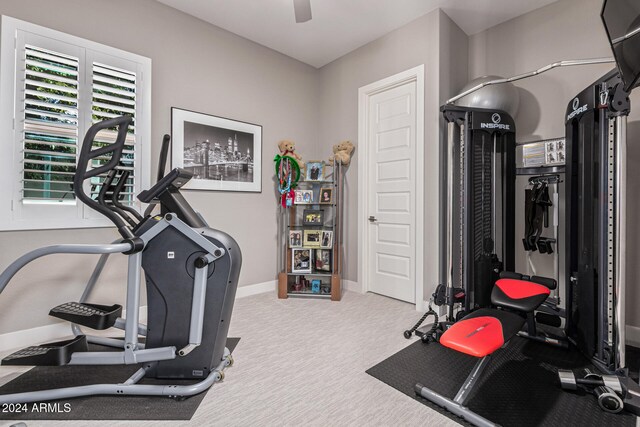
<point x="482" y="332"/>
<point x="519" y="295"/>
<point x="477" y="337"/>
<point x="517" y="289"/>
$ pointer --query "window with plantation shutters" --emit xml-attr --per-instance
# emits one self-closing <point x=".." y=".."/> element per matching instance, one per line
<point x="114" y="95"/>
<point x="53" y="87"/>
<point x="50" y="125"/>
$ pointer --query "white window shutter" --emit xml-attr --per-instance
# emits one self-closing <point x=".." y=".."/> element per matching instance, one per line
<point x="50" y="125"/>
<point x="113" y="95"/>
<point x="54" y="86"/>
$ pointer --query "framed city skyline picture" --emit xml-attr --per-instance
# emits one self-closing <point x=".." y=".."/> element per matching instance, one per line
<point x="222" y="154"/>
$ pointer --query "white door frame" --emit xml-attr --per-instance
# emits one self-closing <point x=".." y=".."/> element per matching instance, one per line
<point x="416" y="75"/>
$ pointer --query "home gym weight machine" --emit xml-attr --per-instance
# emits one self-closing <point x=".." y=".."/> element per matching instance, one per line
<point x="191" y="276"/>
<point x="477" y="212"/>
<point x="596" y="223"/>
<point x="596" y="122"/>
<point x="479" y="215"/>
<point x="480" y="204"/>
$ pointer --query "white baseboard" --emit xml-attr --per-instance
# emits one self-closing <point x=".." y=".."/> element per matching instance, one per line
<point x="352" y="286"/>
<point x="59" y="330"/>
<point x="56" y="331"/>
<point x="26" y="337"/>
<point x="258" y="288"/>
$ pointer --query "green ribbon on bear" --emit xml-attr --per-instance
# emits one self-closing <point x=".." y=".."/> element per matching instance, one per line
<point x="294" y="166"/>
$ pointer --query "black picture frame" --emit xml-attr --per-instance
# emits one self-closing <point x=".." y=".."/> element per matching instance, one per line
<point x="232" y="149"/>
<point x="322" y="260"/>
<point x="313" y="217"/>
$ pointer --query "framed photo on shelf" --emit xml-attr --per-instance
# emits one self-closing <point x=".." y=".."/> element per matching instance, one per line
<point x="326" y="239"/>
<point x="301" y="261"/>
<point x="222" y="154"/>
<point x="313" y="217"/>
<point x="323" y="260"/>
<point x="303" y="197"/>
<point x="315" y="286"/>
<point x="311" y="238"/>
<point x="326" y="195"/>
<point x="295" y="238"/>
<point x="315" y="170"/>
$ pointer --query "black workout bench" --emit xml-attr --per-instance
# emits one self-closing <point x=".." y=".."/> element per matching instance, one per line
<point x="486" y="330"/>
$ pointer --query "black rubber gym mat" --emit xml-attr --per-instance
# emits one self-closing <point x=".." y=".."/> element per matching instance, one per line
<point x="518" y="388"/>
<point x="97" y="407"/>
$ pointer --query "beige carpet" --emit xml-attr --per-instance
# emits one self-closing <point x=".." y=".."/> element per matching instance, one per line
<point x="302" y="362"/>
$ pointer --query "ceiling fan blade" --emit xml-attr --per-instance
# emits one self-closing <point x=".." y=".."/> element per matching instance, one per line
<point x="302" y="9"/>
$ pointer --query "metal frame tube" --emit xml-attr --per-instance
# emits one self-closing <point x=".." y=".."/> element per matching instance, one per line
<point x="125" y="357"/>
<point x="25" y="259"/>
<point x="133" y="304"/>
<point x="137" y="376"/>
<point x="466" y="201"/>
<point x="128" y="388"/>
<point x="605" y="252"/>
<point x="465" y="391"/>
<point x="569" y="63"/>
<point x="453" y="407"/>
<point x="122" y="323"/>
<point x="621" y="239"/>
<point x="97" y="271"/>
<point x="449" y="207"/>
<point x="626" y="36"/>
<point x="494" y="212"/>
<point x="197" y="309"/>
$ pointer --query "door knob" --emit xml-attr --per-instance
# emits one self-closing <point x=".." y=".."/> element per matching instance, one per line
<point x="372" y="218"/>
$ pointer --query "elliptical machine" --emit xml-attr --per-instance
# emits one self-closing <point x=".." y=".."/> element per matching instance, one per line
<point x="191" y="274"/>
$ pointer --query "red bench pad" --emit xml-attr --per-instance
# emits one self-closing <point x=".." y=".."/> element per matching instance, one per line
<point x="520" y="295"/>
<point x="482" y="332"/>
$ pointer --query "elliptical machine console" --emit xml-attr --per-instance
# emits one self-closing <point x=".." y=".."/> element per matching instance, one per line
<point x="191" y="275"/>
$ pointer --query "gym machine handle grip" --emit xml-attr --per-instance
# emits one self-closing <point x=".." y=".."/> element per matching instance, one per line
<point x="164" y="153"/>
<point x="115" y="198"/>
<point x="87" y="154"/>
<point x="108" y="186"/>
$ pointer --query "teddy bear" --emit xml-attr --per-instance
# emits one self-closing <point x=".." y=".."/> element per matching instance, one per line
<point x="342" y="153"/>
<point x="287" y="148"/>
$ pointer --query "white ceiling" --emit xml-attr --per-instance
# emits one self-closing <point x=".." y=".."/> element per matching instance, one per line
<point x="340" y="26"/>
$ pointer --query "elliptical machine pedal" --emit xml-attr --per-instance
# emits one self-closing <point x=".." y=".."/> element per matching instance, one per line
<point x="94" y="316"/>
<point x="51" y="354"/>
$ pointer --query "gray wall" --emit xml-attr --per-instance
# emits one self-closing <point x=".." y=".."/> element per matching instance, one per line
<point x="568" y="29"/>
<point x="438" y="43"/>
<point x="203" y="68"/>
<point x="196" y="66"/>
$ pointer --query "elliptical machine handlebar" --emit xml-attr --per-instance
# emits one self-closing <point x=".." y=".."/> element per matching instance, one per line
<point x="83" y="172"/>
<point x="164" y="153"/>
<point x="162" y="162"/>
<point x="115" y="199"/>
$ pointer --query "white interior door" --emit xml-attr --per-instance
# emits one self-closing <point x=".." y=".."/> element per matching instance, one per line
<point x="392" y="192"/>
